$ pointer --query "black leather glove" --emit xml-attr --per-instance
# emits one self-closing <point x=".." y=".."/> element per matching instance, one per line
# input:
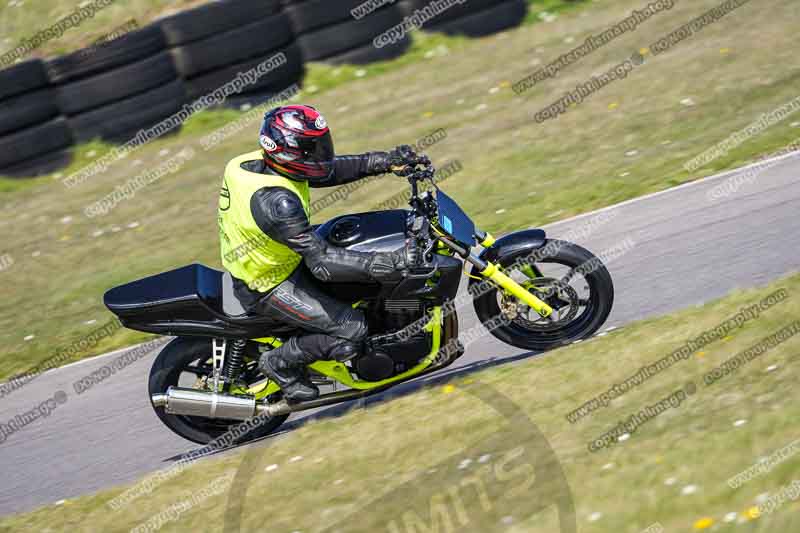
<point x="402" y="155"/>
<point x="387" y="266"/>
<point x="394" y="266"/>
<point x="397" y="159"/>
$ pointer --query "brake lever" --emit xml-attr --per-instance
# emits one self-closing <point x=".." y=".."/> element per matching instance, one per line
<point x="404" y="171"/>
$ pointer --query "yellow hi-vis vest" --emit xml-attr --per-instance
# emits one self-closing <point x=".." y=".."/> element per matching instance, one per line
<point x="247" y="252"/>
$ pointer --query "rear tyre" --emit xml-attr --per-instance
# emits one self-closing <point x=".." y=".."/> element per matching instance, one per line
<point x="572" y="280"/>
<point x="179" y="360"/>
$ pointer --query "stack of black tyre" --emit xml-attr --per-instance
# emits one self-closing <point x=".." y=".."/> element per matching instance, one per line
<point x="34" y="138"/>
<point x="213" y="43"/>
<point x="327" y="31"/>
<point x="473" y="18"/>
<point x="113" y="90"/>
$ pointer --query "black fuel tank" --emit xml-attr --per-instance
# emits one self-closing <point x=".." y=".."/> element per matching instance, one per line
<point x="378" y="231"/>
<point x="386" y="231"/>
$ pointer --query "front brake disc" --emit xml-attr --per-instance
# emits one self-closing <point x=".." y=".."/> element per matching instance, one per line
<point x="562" y="297"/>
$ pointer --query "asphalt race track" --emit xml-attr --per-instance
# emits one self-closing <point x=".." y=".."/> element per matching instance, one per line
<point x="686" y="249"/>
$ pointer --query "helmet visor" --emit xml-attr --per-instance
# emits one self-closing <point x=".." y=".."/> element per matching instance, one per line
<point x="314" y="149"/>
<point x="311" y="158"/>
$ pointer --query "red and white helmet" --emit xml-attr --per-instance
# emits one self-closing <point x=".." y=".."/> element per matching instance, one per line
<point x="297" y="144"/>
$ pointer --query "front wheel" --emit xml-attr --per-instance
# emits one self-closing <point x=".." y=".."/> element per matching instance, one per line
<point x="568" y="277"/>
<point x="186" y="362"/>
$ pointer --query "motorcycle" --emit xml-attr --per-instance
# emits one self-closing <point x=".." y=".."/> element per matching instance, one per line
<point x="529" y="291"/>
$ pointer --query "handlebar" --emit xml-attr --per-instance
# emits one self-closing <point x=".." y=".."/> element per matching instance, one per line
<point x="415" y="168"/>
<point x="412" y="171"/>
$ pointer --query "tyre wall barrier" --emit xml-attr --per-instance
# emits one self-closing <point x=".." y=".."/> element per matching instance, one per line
<point x="135" y="81"/>
<point x="213" y="43"/>
<point x="327" y="31"/>
<point x="112" y="91"/>
<point x="33" y="135"/>
<point x="473" y="18"/>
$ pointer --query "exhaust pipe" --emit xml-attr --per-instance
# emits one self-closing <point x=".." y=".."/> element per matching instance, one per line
<point x="192" y="402"/>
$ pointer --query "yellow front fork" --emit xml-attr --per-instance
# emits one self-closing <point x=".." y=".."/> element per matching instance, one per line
<point x="493" y="272"/>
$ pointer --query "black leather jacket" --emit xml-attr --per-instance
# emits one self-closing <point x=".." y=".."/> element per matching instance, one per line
<point x="280" y="215"/>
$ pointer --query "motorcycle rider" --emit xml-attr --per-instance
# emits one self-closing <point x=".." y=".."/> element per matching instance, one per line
<point x="265" y="234"/>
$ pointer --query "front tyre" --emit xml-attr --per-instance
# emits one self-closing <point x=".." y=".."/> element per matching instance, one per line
<point x="186" y="362"/>
<point x="566" y="276"/>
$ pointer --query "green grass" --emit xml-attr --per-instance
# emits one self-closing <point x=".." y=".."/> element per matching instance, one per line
<point x="537" y="173"/>
<point x="348" y="463"/>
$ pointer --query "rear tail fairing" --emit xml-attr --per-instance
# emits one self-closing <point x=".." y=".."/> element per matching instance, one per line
<point x="184" y="301"/>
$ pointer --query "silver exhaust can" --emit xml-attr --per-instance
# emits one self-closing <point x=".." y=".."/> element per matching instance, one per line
<point x="191" y="402"/>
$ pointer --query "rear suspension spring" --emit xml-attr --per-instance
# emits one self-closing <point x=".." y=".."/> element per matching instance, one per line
<point x="234" y="362"/>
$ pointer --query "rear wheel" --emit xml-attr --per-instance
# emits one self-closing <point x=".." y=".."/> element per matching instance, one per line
<point x="570" y="279"/>
<point x="186" y="362"/>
